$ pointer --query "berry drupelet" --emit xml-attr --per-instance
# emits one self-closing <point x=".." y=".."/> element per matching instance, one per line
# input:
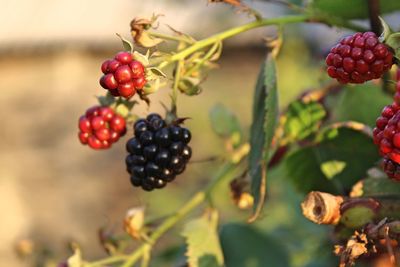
<point x="391" y="168"/>
<point x="100" y="127"/>
<point x="157" y="153"/>
<point x="359" y="58"/>
<point x="123" y="75"/>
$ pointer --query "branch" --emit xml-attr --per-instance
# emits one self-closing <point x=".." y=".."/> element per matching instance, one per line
<point x="374" y="11"/>
<point x="324" y="208"/>
<point x="224" y="173"/>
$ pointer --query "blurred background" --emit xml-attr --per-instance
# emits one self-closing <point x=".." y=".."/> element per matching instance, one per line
<point x="53" y="190"/>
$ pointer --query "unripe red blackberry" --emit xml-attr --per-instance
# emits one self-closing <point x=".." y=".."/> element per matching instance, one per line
<point x="100" y="127"/>
<point x="123" y="75"/>
<point x="157" y="153"/>
<point x="387" y="132"/>
<point x="359" y="58"/>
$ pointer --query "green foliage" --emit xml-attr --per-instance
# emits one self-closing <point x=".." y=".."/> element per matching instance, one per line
<point x="202" y="240"/>
<point x="265" y="113"/>
<point x="303" y="119"/>
<point x="225" y="123"/>
<point x="351" y="9"/>
<point x="379" y="187"/>
<point x="352" y="148"/>
<point x="243" y="246"/>
<point x="362" y="103"/>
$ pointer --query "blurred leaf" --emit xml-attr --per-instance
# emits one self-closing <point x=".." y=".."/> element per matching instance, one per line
<point x="303" y="119"/>
<point x="157" y="72"/>
<point x="106" y="100"/>
<point x="354" y="9"/>
<point x="332" y="168"/>
<point x="128" y="46"/>
<point x="202" y="239"/>
<point x="243" y="246"/>
<point x="362" y="103"/>
<point x="265" y="113"/>
<point x="76" y="259"/>
<point x="224" y="122"/>
<point x="190" y="86"/>
<point x="208" y="261"/>
<point x="377" y="187"/>
<point x="350" y="146"/>
<point x="141" y="58"/>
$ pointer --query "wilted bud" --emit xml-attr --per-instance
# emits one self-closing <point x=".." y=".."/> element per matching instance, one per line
<point x="245" y="201"/>
<point x="134" y="221"/>
<point x="24" y="248"/>
<point x="242" y="199"/>
<point x="139" y="26"/>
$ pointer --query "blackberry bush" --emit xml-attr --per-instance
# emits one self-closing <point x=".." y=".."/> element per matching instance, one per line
<point x="157" y="153"/>
<point x="322" y="142"/>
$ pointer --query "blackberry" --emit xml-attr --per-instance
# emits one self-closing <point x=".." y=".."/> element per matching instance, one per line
<point x="157" y="153"/>
<point x="359" y="58"/>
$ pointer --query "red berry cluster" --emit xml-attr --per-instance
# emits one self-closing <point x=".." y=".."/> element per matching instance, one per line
<point x="123" y="76"/>
<point x="387" y="134"/>
<point x="100" y="127"/>
<point x="359" y="58"/>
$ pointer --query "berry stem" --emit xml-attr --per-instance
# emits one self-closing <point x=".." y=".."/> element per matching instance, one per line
<point x="219" y="37"/>
<point x="106" y="261"/>
<point x="174" y="96"/>
<point x="225" y="172"/>
<point x="172" y="38"/>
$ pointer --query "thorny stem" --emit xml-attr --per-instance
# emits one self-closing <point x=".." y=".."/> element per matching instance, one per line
<point x="105" y="261"/>
<point x="224" y="173"/>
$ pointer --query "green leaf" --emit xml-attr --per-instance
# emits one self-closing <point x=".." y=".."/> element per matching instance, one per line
<point x="128" y="46"/>
<point x="303" y="119"/>
<point x="157" y="72"/>
<point x="141" y="58"/>
<point x="362" y="103"/>
<point x="378" y="187"/>
<point x="106" y="100"/>
<point x="225" y="123"/>
<point x="265" y="113"/>
<point x="349" y="146"/>
<point x="202" y="239"/>
<point x="351" y="9"/>
<point x="244" y="246"/>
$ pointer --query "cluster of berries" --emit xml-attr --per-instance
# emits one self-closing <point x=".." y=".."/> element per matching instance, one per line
<point x="123" y="76"/>
<point x="100" y="127"/>
<point x="387" y="135"/>
<point x="359" y="58"/>
<point x="157" y="153"/>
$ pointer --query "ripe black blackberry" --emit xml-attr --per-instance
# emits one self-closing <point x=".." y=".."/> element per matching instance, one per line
<point x="157" y="153"/>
